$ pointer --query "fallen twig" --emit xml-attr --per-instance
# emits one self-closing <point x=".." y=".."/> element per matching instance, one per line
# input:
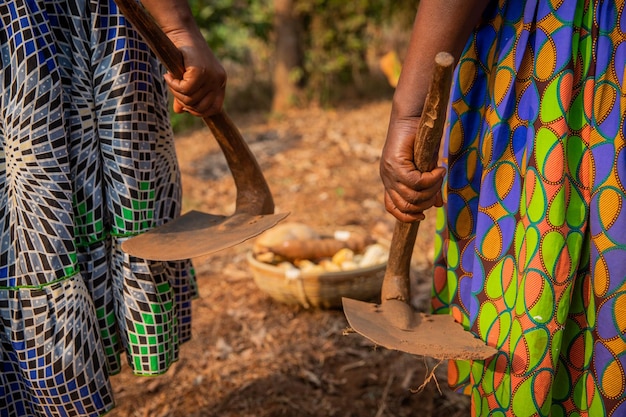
<point x="383" y="401"/>
<point x="431" y="376"/>
<point x="352" y="365"/>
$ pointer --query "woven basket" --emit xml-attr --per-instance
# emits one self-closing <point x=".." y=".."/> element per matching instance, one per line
<point x="320" y="290"/>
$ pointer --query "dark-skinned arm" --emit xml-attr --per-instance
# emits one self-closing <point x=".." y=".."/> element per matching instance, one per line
<point x="439" y="26"/>
<point x="201" y="90"/>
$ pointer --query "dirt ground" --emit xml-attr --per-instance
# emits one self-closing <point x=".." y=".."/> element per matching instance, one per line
<point x="253" y="356"/>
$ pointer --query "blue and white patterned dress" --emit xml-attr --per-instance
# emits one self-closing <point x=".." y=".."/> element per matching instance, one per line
<point x="86" y="160"/>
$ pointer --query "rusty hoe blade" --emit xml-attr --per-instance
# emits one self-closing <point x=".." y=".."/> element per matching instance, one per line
<point x="393" y="324"/>
<point x="195" y="233"/>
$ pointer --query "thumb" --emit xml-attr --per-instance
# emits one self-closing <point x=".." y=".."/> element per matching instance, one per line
<point x="178" y="106"/>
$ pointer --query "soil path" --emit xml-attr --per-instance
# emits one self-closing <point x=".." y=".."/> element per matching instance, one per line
<point x="252" y="356"/>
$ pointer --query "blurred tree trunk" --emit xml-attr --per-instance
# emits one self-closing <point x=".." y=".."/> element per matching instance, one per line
<point x="288" y="55"/>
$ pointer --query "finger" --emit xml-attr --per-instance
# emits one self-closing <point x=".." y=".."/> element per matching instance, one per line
<point x="195" y="96"/>
<point x="195" y="85"/>
<point x="207" y="107"/>
<point x="178" y="107"/>
<point x="204" y="106"/>
<point x="408" y="207"/>
<point x="197" y="81"/>
<point x="417" y="180"/>
<point x="422" y="199"/>
<point x="439" y="200"/>
<point x="400" y="215"/>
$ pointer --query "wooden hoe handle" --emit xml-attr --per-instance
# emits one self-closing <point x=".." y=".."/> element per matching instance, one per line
<point x="396" y="283"/>
<point x="253" y="193"/>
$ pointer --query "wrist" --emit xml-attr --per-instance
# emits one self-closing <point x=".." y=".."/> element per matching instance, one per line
<point x="173" y="16"/>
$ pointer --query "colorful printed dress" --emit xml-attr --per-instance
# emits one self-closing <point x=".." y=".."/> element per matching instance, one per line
<point x="87" y="160"/>
<point x="531" y="249"/>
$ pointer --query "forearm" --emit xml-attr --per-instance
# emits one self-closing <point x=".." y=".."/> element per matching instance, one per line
<point x="173" y="16"/>
<point x="440" y="26"/>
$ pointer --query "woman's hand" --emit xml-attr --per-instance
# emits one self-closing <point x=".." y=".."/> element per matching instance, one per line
<point x="202" y="89"/>
<point x="440" y="26"/>
<point x="408" y="192"/>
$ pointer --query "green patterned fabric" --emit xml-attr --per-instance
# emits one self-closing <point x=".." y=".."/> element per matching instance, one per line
<point x="87" y="160"/>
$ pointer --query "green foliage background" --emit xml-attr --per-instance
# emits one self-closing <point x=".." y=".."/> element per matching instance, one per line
<point x="339" y="39"/>
<point x="339" y="35"/>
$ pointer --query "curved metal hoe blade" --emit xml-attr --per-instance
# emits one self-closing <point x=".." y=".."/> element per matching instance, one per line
<point x="433" y="335"/>
<point x="195" y="234"/>
<point x="393" y="323"/>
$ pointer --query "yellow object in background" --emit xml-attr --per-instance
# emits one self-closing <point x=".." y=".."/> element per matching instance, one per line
<point x="391" y="66"/>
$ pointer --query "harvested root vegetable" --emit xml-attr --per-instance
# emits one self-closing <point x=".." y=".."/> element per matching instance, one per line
<point x="318" y="248"/>
<point x="329" y="266"/>
<point x="374" y="255"/>
<point x="311" y="267"/>
<point x="344" y="260"/>
<point x="298" y="247"/>
<point x="343" y="255"/>
<point x="284" y="232"/>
